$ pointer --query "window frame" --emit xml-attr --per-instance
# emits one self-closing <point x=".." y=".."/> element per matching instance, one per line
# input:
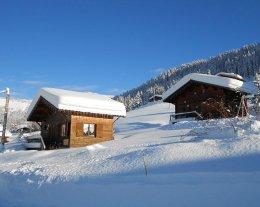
<point x="87" y="133"/>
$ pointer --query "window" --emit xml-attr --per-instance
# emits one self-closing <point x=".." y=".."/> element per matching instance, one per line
<point x="89" y="130"/>
<point x="63" y="130"/>
<point x="45" y="128"/>
<point x="92" y="129"/>
<point x="85" y="129"/>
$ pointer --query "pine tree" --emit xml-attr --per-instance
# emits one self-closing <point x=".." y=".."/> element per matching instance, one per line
<point x="257" y="82"/>
<point x="137" y="100"/>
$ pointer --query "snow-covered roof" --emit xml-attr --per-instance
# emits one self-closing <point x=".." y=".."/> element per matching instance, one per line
<point x="230" y="75"/>
<point x="224" y="82"/>
<point x="79" y="101"/>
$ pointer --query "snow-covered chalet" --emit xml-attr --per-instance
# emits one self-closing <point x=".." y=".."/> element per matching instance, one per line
<point x="74" y="119"/>
<point x="210" y="96"/>
<point x="155" y="97"/>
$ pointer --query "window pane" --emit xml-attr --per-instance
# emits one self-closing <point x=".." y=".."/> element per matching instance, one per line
<point x="92" y="129"/>
<point x="63" y="130"/>
<point x="85" y="129"/>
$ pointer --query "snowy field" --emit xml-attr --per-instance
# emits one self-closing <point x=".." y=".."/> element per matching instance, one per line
<point x="200" y="163"/>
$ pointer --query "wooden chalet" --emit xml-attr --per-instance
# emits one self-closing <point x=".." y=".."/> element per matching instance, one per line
<point x="155" y="97"/>
<point x="209" y="96"/>
<point x="74" y="119"/>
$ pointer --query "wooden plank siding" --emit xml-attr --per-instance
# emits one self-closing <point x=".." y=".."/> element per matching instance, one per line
<point x="52" y="137"/>
<point x="104" y="130"/>
<point x="193" y="96"/>
<point x="206" y="99"/>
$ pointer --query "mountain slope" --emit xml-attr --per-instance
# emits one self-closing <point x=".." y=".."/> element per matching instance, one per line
<point x="15" y="104"/>
<point x="17" y="112"/>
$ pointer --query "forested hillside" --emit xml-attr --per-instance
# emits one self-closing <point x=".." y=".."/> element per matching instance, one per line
<point x="244" y="61"/>
<point x="17" y="113"/>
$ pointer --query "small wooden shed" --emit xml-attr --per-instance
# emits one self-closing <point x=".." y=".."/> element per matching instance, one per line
<point x="211" y="96"/>
<point x="74" y="119"/>
<point x="155" y="97"/>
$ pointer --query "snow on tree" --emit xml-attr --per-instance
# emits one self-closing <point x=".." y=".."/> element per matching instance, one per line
<point x="137" y="100"/>
<point x="257" y="82"/>
<point x="256" y="99"/>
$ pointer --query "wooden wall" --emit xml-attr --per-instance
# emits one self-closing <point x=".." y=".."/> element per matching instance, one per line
<point x="196" y="97"/>
<point x="52" y="137"/>
<point x="104" y="130"/>
<point x="190" y="98"/>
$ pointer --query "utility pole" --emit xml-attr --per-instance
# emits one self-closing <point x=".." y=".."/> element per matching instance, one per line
<point x="7" y="91"/>
<point x="154" y="95"/>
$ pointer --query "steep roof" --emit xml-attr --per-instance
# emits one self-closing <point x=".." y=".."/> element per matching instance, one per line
<point x="224" y="82"/>
<point x="79" y="101"/>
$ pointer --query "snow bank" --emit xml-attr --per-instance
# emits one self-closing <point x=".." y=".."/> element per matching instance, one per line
<point x="188" y="164"/>
<point x="256" y="127"/>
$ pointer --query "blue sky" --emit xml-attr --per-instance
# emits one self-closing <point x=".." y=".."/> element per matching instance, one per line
<point x="111" y="46"/>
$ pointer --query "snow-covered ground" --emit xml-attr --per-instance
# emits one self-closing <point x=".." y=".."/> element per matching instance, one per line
<point x="200" y="163"/>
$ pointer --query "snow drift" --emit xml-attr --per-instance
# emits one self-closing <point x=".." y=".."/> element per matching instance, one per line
<point x="200" y="163"/>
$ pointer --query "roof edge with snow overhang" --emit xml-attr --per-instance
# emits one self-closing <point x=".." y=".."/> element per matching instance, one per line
<point x="224" y="82"/>
<point x="79" y="101"/>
